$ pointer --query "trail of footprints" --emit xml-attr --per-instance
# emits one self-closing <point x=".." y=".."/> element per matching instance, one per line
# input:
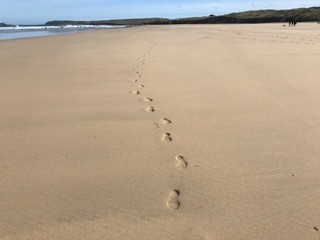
<point x="173" y="199"/>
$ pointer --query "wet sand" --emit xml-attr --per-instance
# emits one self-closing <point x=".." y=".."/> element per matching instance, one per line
<point x="162" y="132"/>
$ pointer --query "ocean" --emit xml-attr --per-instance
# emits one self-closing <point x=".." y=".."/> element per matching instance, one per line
<point x="40" y="31"/>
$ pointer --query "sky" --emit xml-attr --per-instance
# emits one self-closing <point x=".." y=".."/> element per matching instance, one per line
<point x="41" y="11"/>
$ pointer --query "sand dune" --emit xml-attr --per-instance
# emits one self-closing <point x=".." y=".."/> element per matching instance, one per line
<point x="162" y="132"/>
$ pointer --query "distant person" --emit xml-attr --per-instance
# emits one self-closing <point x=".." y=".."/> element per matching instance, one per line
<point x="293" y="23"/>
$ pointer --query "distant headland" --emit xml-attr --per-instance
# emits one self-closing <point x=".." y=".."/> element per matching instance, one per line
<point x="259" y="16"/>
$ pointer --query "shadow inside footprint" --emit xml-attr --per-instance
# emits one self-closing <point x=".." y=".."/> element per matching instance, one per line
<point x="148" y="99"/>
<point x="166" y="121"/>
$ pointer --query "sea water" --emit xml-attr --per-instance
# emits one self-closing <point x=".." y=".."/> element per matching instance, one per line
<point x="40" y="31"/>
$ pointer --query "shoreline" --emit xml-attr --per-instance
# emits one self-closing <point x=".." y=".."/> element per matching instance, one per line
<point x="32" y="33"/>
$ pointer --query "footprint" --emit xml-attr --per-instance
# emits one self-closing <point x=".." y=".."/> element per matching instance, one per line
<point x="166" y="121"/>
<point x="173" y="201"/>
<point x="156" y="125"/>
<point x="167" y="137"/>
<point x="138" y="76"/>
<point x="135" y="80"/>
<point x="150" y="109"/>
<point x="148" y="99"/>
<point x="182" y="164"/>
<point x="136" y="92"/>
<point x="141" y="86"/>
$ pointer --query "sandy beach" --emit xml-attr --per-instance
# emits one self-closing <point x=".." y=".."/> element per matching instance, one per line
<point x="162" y="132"/>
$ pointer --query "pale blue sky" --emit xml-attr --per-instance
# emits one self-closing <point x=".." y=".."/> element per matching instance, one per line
<point x="40" y="11"/>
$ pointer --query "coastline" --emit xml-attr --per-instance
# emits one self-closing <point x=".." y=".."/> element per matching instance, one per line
<point x="83" y="156"/>
<point x="8" y="33"/>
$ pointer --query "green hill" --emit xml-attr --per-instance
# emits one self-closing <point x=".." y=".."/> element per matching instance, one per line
<point x="300" y="15"/>
<point x="260" y="16"/>
<point x="137" y="21"/>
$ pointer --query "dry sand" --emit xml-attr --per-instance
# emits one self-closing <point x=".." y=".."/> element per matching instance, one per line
<point x="226" y="129"/>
